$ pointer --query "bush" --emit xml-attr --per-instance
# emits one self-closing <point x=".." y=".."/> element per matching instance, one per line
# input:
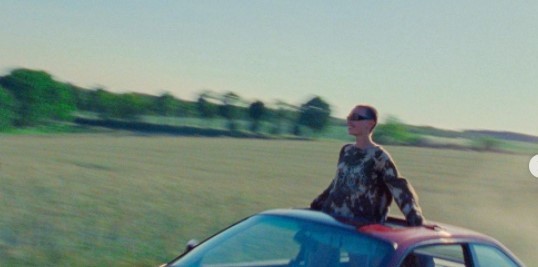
<point x="486" y="143"/>
<point x="393" y="132"/>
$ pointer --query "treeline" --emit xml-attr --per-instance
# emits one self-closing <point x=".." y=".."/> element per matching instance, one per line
<point x="30" y="98"/>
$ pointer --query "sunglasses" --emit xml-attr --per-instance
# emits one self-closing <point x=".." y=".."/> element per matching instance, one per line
<point x="358" y="117"/>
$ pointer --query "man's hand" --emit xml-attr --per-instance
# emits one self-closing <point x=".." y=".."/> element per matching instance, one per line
<point x="414" y="218"/>
<point x="316" y="204"/>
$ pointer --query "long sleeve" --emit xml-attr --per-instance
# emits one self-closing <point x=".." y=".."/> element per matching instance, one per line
<point x="318" y="202"/>
<point x="403" y="193"/>
<point x="365" y="183"/>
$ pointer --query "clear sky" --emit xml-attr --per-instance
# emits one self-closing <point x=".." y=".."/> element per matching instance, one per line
<point x="447" y="64"/>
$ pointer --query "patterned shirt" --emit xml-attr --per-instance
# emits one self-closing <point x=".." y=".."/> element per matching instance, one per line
<point x="366" y="180"/>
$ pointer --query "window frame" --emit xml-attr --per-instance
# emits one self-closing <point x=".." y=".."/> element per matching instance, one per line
<point x="468" y="260"/>
<point x="501" y="251"/>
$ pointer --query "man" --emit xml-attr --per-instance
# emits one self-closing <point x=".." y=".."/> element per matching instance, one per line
<point x="366" y="178"/>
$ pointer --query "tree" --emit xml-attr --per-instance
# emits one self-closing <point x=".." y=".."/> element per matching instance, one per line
<point x="102" y="102"/>
<point x="8" y="107"/>
<point x="166" y="104"/>
<point x="283" y="115"/>
<point x="40" y="97"/>
<point x="128" y="106"/>
<point x="82" y="97"/>
<point x="229" y="106"/>
<point x="255" y="111"/>
<point x="187" y="108"/>
<point x="205" y="108"/>
<point x="315" y="114"/>
<point x="229" y="109"/>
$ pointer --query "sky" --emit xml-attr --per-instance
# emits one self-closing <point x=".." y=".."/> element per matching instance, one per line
<point x="447" y="64"/>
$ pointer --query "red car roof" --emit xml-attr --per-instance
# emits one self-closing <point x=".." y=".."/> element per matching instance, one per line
<point x="395" y="230"/>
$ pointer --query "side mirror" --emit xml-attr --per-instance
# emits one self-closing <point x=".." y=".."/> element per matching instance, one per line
<point x="191" y="244"/>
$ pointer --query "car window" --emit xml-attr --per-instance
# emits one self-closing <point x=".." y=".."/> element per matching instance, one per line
<point x="281" y="241"/>
<point x="485" y="256"/>
<point x="262" y="242"/>
<point x="436" y="256"/>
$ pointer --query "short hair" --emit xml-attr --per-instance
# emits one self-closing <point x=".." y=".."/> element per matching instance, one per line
<point x="371" y="112"/>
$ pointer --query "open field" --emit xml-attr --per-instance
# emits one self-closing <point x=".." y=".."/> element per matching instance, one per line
<point x="125" y="200"/>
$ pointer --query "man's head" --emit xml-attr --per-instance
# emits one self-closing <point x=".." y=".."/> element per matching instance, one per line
<point x="363" y="116"/>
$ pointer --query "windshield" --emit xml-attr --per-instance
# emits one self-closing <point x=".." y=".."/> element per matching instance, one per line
<point x="269" y="240"/>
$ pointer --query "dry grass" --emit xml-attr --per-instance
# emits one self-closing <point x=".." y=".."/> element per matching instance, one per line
<point x="117" y="200"/>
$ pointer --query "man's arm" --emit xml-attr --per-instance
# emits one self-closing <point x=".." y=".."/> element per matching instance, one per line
<point x="403" y="192"/>
<point x="318" y="202"/>
<point x="406" y="198"/>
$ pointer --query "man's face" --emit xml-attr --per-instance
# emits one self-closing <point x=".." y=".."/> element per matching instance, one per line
<point x="358" y="123"/>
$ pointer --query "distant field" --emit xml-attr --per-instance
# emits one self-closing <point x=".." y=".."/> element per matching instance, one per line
<point x="119" y="200"/>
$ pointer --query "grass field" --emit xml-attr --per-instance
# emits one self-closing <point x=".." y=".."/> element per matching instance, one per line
<point x="126" y="200"/>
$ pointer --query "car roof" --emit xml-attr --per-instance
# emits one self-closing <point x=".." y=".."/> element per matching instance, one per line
<point x="394" y="230"/>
